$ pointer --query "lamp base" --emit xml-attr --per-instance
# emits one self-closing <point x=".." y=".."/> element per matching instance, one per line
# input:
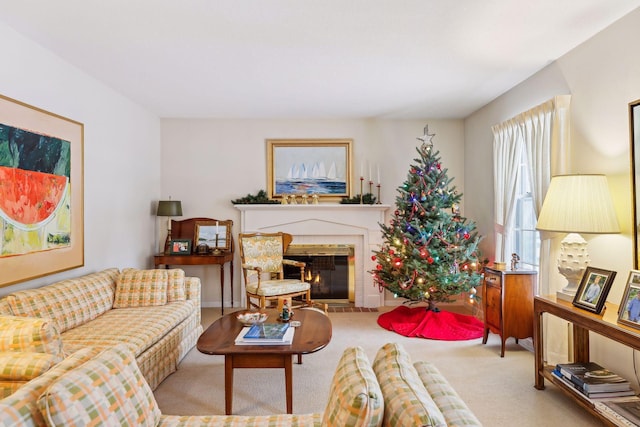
<point x="167" y="242"/>
<point x="565" y="296"/>
<point x="572" y="263"/>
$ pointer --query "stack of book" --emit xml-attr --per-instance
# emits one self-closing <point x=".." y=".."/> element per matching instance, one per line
<point x="266" y="334"/>
<point x="592" y="380"/>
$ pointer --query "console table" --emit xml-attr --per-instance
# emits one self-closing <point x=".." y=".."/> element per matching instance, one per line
<point x="583" y="322"/>
<point x="185" y="230"/>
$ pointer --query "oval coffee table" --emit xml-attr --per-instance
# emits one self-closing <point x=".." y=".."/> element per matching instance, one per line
<point x="313" y="334"/>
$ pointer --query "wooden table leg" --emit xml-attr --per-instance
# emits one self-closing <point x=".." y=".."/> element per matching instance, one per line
<point x="288" y="380"/>
<point x="228" y="384"/>
<point x="538" y="349"/>
<point x="231" y="277"/>
<point x="222" y="288"/>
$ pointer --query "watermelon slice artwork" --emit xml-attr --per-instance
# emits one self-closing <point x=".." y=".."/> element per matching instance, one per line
<point x="34" y="192"/>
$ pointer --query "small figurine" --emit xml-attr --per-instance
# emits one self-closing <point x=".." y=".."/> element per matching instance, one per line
<point x="293" y="200"/>
<point x="514" y="261"/>
<point x="314" y="199"/>
<point x="284" y="199"/>
<point x="286" y="311"/>
<point x="305" y="199"/>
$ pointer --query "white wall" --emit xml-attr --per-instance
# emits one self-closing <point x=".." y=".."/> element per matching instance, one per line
<point x="208" y="163"/>
<point x="602" y="76"/>
<point x="121" y="154"/>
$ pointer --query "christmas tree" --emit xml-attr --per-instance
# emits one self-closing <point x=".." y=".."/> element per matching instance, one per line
<point x="430" y="252"/>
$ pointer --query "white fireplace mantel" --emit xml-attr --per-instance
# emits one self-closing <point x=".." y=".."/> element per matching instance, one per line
<point x="357" y="225"/>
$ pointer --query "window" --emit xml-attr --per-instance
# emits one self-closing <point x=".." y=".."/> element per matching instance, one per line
<point x="524" y="238"/>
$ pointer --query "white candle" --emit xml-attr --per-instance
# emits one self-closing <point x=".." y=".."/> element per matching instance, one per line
<point x="370" y="174"/>
<point x="378" y="167"/>
<point x="217" y="227"/>
<point x="361" y="169"/>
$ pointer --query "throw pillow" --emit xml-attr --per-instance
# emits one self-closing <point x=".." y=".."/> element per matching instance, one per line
<point x="406" y="400"/>
<point x="355" y="398"/>
<point x="106" y="390"/>
<point x="141" y="288"/>
<point x="176" y="289"/>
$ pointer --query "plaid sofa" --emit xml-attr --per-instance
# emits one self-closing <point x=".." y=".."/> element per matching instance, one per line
<point x="154" y="313"/>
<point x="106" y="388"/>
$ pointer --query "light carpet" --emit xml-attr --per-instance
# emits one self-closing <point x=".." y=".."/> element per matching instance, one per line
<point x="498" y="390"/>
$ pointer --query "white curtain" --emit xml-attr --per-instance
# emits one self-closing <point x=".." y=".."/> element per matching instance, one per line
<point x="507" y="148"/>
<point x="544" y="132"/>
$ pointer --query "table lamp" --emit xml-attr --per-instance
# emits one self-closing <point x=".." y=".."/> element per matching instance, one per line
<point x="576" y="204"/>
<point x="169" y="208"/>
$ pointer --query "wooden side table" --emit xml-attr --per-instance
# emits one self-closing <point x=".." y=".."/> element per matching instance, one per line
<point x="508" y="304"/>
<point x="185" y="229"/>
<point x="209" y="259"/>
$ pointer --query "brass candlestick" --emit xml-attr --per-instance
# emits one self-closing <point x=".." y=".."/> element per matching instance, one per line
<point x="379" y="202"/>
<point x="370" y="187"/>
<point x="361" y="188"/>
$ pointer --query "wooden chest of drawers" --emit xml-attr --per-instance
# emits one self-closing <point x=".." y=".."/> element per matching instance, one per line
<point x="508" y="304"/>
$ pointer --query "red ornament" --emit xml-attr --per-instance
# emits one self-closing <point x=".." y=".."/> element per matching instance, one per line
<point x="396" y="212"/>
<point x="397" y="262"/>
<point x="467" y="235"/>
<point x="378" y="267"/>
<point x="424" y="253"/>
<point x="430" y="260"/>
<point x="373" y="257"/>
<point x="391" y="252"/>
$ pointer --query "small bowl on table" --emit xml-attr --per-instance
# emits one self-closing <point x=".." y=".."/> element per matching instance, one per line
<point x="249" y="318"/>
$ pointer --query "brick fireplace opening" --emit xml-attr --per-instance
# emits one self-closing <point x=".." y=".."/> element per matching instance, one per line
<point x="330" y="269"/>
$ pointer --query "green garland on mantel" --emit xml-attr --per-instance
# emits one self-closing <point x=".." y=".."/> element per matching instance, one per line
<point x="260" y="198"/>
<point x="367" y="199"/>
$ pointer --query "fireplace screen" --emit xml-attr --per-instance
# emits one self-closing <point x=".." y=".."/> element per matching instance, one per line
<point x="329" y="270"/>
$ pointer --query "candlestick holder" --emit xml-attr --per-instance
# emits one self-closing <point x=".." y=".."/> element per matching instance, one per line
<point x="370" y="187"/>
<point x="361" y="188"/>
<point x="378" y="202"/>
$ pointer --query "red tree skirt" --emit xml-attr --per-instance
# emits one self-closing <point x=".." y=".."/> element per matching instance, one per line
<point x="442" y="325"/>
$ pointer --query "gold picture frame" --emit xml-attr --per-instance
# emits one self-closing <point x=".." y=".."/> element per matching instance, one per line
<point x="43" y="223"/>
<point x="319" y="167"/>
<point x="216" y="234"/>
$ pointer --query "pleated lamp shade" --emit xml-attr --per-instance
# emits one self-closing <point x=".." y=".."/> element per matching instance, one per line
<point x="578" y="204"/>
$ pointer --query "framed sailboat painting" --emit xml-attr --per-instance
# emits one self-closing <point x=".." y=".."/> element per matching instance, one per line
<point x="319" y="167"/>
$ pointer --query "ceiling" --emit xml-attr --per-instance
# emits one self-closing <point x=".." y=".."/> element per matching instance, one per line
<point x="311" y="59"/>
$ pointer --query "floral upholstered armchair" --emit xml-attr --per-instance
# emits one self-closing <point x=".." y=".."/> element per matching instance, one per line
<point x="262" y="256"/>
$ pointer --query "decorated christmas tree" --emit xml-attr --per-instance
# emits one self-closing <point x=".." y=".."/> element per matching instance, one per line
<point x="430" y="252"/>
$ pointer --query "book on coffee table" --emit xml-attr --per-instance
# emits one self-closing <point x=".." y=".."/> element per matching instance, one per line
<point x="287" y="338"/>
<point x="267" y="331"/>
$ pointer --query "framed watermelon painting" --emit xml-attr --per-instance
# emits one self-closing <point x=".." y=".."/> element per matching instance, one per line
<point x="41" y="192"/>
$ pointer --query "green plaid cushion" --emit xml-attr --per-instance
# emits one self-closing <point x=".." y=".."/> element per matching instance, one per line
<point x="406" y="400"/>
<point x="355" y="398"/>
<point x="21" y="408"/>
<point x="106" y="390"/>
<point x="277" y="420"/>
<point x="141" y="288"/>
<point x="23" y="366"/>
<point x="26" y="334"/>
<point x="176" y="290"/>
<point x="69" y="303"/>
<point x="455" y="411"/>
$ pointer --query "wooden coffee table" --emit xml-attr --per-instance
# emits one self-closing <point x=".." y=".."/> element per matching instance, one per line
<point x="313" y="334"/>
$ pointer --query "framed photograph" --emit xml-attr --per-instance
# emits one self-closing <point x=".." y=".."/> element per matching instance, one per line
<point x="180" y="247"/>
<point x="593" y="289"/>
<point x="41" y="192"/>
<point x="629" y="311"/>
<point x="309" y="166"/>
<point x="214" y="233"/>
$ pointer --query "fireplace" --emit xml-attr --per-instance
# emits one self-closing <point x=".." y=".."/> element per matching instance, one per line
<point x="327" y="224"/>
<point x="329" y="269"/>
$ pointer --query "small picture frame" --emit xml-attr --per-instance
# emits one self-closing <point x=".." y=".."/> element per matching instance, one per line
<point x="593" y="289"/>
<point x="629" y="311"/>
<point x="215" y="234"/>
<point x="180" y="247"/>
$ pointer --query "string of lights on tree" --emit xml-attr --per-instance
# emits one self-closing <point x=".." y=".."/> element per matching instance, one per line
<point x="430" y="252"/>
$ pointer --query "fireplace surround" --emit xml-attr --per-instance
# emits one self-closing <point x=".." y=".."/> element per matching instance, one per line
<point x="327" y="224"/>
